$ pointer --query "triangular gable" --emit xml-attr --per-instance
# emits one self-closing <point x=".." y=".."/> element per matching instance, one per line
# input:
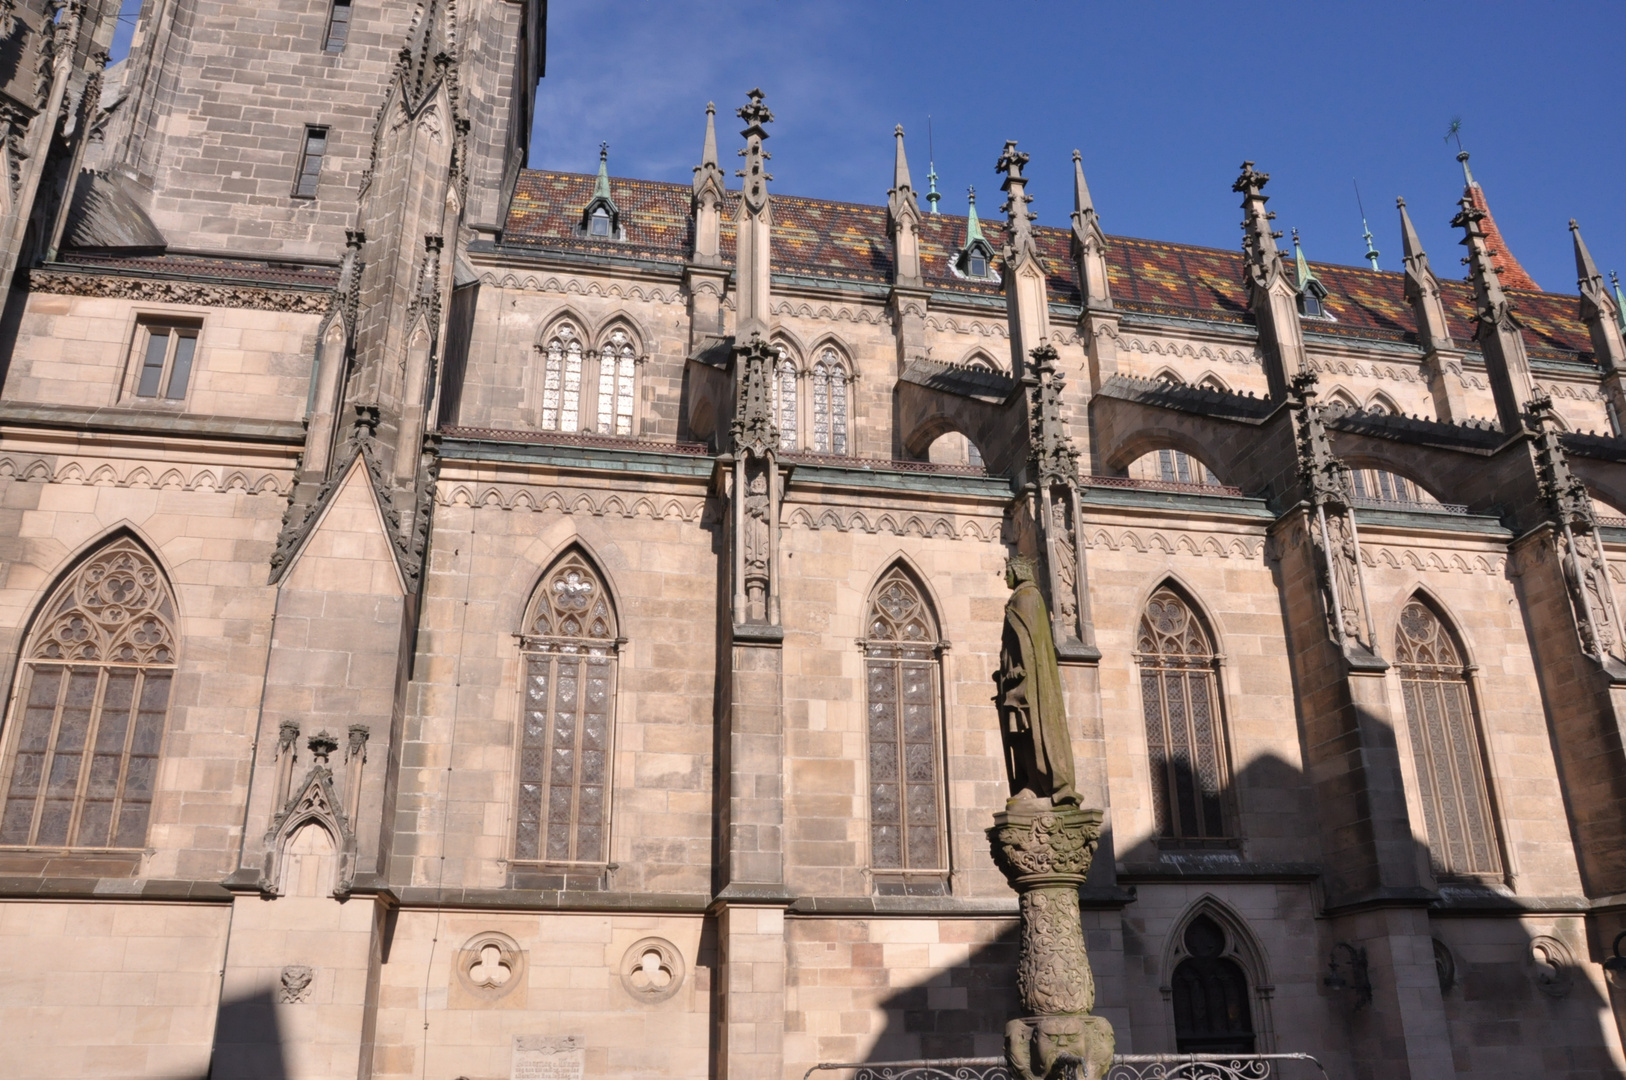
<point x="350" y="507"/>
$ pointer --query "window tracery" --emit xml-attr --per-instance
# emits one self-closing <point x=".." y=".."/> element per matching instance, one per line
<point x="617" y="366"/>
<point x="829" y="403"/>
<point x="1210" y="994"/>
<point x="784" y="392"/>
<point x="1445" y="745"/>
<point x="1184" y="727"/>
<point x="902" y="657"/>
<point x="569" y="647"/>
<point x="92" y="698"/>
<point x="562" y="380"/>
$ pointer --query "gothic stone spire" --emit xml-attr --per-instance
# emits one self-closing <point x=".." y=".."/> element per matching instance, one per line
<point x="1433" y="331"/>
<point x="1602" y="318"/>
<point x="709" y="194"/>
<point x="1027" y="304"/>
<point x="1089" y="243"/>
<point x="903" y="214"/>
<point x="1271" y="292"/>
<point x="754" y="223"/>
<point x="1513" y="276"/>
<point x="1497" y="330"/>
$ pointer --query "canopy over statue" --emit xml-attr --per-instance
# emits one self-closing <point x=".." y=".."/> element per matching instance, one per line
<point x="1032" y="714"/>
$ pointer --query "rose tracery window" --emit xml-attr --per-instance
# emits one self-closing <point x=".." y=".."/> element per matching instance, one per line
<point x="829" y="404"/>
<point x="902" y="650"/>
<point x="1184" y="734"/>
<point x="562" y="381"/>
<point x="569" y="648"/>
<point x="92" y="698"/>
<point x="1445" y="745"/>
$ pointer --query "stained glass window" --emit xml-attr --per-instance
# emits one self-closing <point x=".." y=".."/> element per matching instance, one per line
<point x="1184" y="736"/>
<point x="616" y="366"/>
<point x="901" y="674"/>
<point x="562" y="381"/>
<point x="829" y="404"/>
<point x="1445" y="745"/>
<point x="93" y="697"/>
<point x="784" y="392"/>
<point x="569" y="648"/>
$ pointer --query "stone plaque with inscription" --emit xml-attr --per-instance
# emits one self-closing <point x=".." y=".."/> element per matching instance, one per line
<point x="549" y="1057"/>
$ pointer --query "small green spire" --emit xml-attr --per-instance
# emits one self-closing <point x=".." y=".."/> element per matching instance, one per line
<point x="1620" y="302"/>
<point x="601" y="186"/>
<point x="932" y="197"/>
<point x="1303" y="264"/>
<point x="973" y="227"/>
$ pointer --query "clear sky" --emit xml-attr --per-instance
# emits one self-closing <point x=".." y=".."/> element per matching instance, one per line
<point x="1165" y="99"/>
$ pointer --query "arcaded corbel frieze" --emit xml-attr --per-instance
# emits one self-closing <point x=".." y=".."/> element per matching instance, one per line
<point x="93" y="472"/>
<point x="576" y="285"/>
<point x="194" y="293"/>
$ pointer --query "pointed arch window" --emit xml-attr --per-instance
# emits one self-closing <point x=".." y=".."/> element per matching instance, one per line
<point x="562" y="380"/>
<point x="1445" y="745"/>
<point x="1184" y="729"/>
<point x="1210" y="994"/>
<point x="92" y="699"/>
<point x="569" y="648"/>
<point x="902" y="656"/>
<point x="617" y="365"/>
<point x="829" y="403"/>
<point x="784" y="393"/>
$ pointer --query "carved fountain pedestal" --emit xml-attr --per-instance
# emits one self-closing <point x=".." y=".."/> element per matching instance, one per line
<point x="1044" y="851"/>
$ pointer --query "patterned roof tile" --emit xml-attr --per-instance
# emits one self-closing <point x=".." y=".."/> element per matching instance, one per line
<point x="824" y="238"/>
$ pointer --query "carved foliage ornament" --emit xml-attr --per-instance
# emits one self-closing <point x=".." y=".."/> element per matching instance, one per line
<point x="300" y="301"/>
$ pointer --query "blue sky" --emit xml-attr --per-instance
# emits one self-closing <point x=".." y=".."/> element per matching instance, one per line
<point x="1164" y="99"/>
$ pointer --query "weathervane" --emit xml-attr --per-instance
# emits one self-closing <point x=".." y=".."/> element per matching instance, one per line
<point x="1454" y="132"/>
<point x="931" y="158"/>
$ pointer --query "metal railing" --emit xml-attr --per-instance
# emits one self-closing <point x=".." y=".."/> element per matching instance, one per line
<point x="1370" y="503"/>
<point x="1124" y="1067"/>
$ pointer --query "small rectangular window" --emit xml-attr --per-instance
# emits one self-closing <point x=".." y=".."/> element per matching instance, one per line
<point x="310" y="162"/>
<point x="338" y="26"/>
<point x="166" y="353"/>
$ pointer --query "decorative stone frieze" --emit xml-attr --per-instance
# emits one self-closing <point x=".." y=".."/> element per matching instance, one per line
<point x="194" y="293"/>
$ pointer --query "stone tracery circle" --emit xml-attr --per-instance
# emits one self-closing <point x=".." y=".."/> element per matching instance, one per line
<point x="491" y="965"/>
<point x="652" y="970"/>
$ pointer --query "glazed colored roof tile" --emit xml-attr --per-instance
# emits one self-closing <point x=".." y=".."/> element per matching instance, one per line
<point x="849" y="241"/>
<point x="1507" y="267"/>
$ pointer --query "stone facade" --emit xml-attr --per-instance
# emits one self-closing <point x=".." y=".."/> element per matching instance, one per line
<point x="570" y="602"/>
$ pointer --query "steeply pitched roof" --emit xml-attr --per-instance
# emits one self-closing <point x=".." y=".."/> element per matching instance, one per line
<point x="849" y="241"/>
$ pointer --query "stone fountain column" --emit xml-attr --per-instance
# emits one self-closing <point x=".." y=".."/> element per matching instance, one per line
<point x="1045" y="852"/>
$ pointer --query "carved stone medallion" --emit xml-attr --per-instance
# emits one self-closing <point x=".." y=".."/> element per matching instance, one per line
<point x="652" y="970"/>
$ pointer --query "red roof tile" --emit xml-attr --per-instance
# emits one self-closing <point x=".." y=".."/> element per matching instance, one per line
<point x="823" y="238"/>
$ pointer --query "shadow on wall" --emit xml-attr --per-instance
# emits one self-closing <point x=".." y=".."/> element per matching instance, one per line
<point x="960" y="1011"/>
<point x="248" y="1040"/>
<point x="1517" y="996"/>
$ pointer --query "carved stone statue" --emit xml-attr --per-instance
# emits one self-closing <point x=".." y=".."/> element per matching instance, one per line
<point x="1032" y="713"/>
<point x="1043" y="843"/>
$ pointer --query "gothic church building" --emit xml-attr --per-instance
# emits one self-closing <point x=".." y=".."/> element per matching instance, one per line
<point x="458" y="620"/>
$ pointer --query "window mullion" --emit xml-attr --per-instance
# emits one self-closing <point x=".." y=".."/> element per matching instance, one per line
<point x="574" y="824"/>
<point x="86" y="762"/>
<point x="130" y="721"/>
<point x="50" y="753"/>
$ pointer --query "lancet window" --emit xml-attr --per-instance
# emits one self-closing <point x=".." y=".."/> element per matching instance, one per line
<point x="902" y="655"/>
<point x="1210" y="994"/>
<point x="562" y="380"/>
<point x="92" y="698"/>
<point x="784" y="394"/>
<point x="829" y="404"/>
<point x="1379" y="486"/>
<point x="569" y="647"/>
<point x="1184" y="727"/>
<point x="1445" y="745"/>
<point x="617" y="364"/>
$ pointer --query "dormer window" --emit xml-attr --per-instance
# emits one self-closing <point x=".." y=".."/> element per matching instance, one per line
<point x="976" y="266"/>
<point x="601" y="217"/>
<point x="1311" y="306"/>
<point x="974" y="260"/>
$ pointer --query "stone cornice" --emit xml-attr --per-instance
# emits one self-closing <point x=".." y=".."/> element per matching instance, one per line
<point x="181" y="291"/>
